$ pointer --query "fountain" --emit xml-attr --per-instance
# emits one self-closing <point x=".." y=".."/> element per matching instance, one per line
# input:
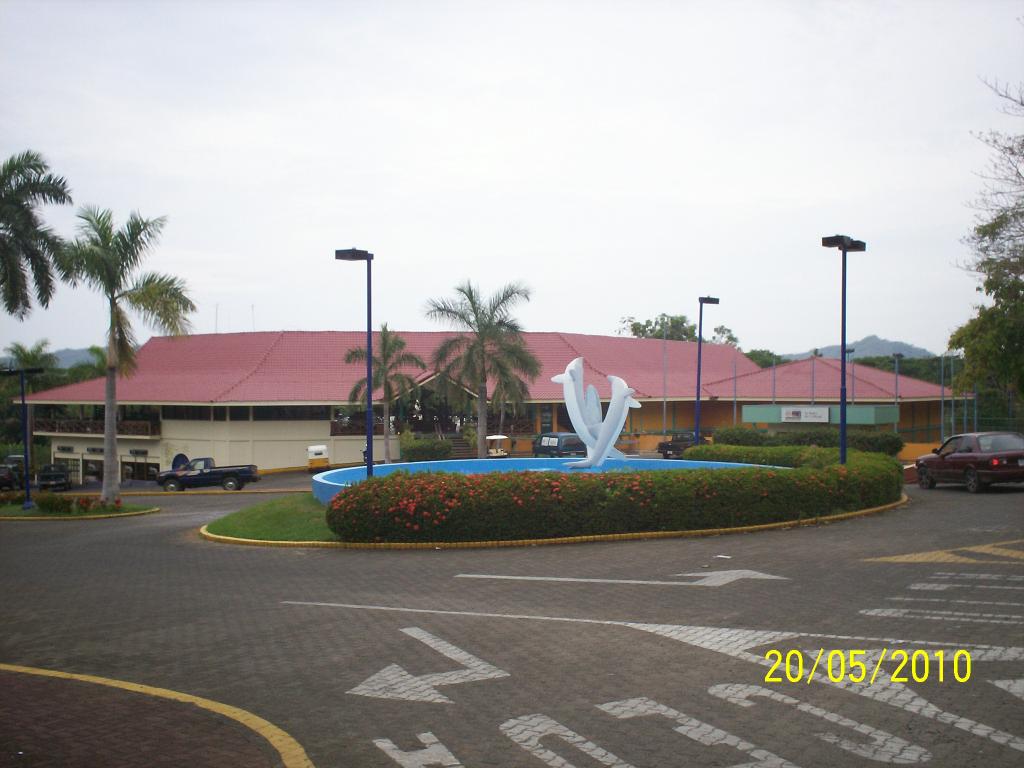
<point x="598" y="433"/>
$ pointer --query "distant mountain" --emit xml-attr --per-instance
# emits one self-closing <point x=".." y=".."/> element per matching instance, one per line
<point x="869" y="346"/>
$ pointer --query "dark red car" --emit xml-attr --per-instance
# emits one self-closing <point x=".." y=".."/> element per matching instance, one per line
<point x="976" y="459"/>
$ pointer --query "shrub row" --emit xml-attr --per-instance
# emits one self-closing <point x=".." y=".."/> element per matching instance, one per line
<point x="57" y="504"/>
<point x="404" y="507"/>
<point x="826" y="437"/>
<point x="426" y="450"/>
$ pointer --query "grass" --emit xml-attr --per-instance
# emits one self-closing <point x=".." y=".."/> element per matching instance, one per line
<point x="286" y="518"/>
<point x="15" y="510"/>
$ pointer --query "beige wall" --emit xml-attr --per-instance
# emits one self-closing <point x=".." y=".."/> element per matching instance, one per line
<point x="267" y="444"/>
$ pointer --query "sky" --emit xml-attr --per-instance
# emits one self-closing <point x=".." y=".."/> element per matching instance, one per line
<point x="617" y="158"/>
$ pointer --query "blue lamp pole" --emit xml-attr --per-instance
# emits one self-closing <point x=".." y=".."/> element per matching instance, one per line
<point x="846" y="245"/>
<point x="354" y="254"/>
<point x="21" y="373"/>
<point x="700" y="340"/>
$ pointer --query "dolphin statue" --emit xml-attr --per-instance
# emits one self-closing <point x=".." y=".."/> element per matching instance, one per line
<point x="621" y="401"/>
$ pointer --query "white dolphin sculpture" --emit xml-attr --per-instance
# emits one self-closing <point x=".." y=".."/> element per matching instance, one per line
<point x="598" y="434"/>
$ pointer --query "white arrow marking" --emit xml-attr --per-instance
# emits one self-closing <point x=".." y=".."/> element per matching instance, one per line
<point x="718" y="578"/>
<point x="393" y="682"/>
<point x="712" y="579"/>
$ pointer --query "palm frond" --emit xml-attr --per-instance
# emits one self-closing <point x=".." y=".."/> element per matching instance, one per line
<point x="163" y="302"/>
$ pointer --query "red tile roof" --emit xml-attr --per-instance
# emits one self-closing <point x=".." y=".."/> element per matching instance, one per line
<point x="309" y="367"/>
<point x="793" y="381"/>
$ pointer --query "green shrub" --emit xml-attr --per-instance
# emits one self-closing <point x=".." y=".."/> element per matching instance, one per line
<point x="404" y="507"/>
<point x="826" y="437"/>
<point x="426" y="450"/>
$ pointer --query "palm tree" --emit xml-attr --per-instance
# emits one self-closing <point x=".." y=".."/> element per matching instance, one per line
<point x="390" y="357"/>
<point x="36" y="356"/>
<point x="107" y="259"/>
<point x="26" y="244"/>
<point x="93" y="368"/>
<point x="491" y="345"/>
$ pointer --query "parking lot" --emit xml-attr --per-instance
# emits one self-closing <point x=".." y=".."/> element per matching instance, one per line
<point x="622" y="654"/>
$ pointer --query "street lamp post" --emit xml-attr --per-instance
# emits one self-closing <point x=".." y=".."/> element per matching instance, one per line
<point x="897" y="356"/>
<point x="700" y="340"/>
<point x="845" y="244"/>
<point x="21" y="373"/>
<point x="853" y="374"/>
<point x="354" y="254"/>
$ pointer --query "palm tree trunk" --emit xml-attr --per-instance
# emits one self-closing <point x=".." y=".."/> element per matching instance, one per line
<point x="387" y="430"/>
<point x="501" y="418"/>
<point x="111" y="486"/>
<point x="481" y="421"/>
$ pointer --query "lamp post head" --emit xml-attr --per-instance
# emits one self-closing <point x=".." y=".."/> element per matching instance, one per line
<point x="898" y="355"/>
<point x="843" y="242"/>
<point x="707" y="300"/>
<point x="19" y="371"/>
<point x="353" y="254"/>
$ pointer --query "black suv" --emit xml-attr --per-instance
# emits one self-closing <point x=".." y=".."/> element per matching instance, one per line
<point x="559" y="444"/>
<point x="673" y="449"/>
<point x="54" y="477"/>
<point x="10" y="477"/>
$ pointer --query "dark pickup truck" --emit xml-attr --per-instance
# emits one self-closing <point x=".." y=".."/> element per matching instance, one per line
<point x="203" y="472"/>
<point x="673" y="449"/>
<point x="53" y="477"/>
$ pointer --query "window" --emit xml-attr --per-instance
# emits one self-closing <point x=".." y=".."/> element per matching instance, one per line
<point x="220" y="413"/>
<point x="291" y="413"/>
<point x="185" y="412"/>
<point x="238" y="412"/>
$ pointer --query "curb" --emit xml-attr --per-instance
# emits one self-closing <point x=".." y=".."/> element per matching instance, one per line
<point x="291" y="752"/>
<point x="823" y="520"/>
<point x="149" y="511"/>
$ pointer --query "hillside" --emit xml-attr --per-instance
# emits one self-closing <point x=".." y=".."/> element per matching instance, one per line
<point x="869" y="346"/>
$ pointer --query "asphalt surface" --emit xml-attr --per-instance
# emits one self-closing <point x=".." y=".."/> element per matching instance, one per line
<point x="424" y="658"/>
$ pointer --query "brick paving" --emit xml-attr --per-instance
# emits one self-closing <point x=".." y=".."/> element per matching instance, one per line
<point x="58" y="722"/>
<point x="626" y="667"/>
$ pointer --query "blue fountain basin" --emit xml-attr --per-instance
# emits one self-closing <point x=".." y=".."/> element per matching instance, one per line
<point x="327" y="484"/>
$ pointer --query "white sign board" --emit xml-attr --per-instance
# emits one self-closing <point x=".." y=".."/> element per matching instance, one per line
<point x="805" y="414"/>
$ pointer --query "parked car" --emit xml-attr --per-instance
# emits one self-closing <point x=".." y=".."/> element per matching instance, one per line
<point x="10" y="480"/>
<point x="976" y="459"/>
<point x="204" y="472"/>
<point x="559" y="444"/>
<point x="673" y="449"/>
<point x="54" y="477"/>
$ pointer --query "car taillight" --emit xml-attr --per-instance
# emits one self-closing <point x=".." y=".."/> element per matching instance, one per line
<point x="996" y="462"/>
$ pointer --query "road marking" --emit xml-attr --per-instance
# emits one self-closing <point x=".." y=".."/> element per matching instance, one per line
<point x="1016" y="687"/>
<point x="1003" y="552"/>
<point x="528" y="730"/>
<point x="737" y="642"/>
<point x="943" y="586"/>
<point x="882" y="746"/>
<point x="974" y="618"/>
<point x="694" y="729"/>
<point x="712" y="579"/>
<point x="977" y="576"/>
<point x="433" y="753"/>
<point x="393" y="682"/>
<point x="959" y="602"/>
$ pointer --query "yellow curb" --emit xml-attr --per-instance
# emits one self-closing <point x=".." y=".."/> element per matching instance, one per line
<point x="825" y="519"/>
<point x="149" y="511"/>
<point x="291" y="752"/>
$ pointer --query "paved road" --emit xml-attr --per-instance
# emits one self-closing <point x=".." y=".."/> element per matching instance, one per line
<point x="623" y="654"/>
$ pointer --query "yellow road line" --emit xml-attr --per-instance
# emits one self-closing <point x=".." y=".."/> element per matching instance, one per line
<point x="291" y="752"/>
<point x="995" y="549"/>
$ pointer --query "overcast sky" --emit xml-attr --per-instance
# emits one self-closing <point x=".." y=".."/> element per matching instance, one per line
<point x="619" y="158"/>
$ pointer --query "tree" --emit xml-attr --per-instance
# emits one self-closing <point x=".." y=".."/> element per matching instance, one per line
<point x="672" y="327"/>
<point x="93" y="368"/>
<point x="107" y="259"/>
<point x="724" y="335"/>
<point x="491" y="345"/>
<point x="36" y="356"/>
<point x="993" y="340"/>
<point x="27" y="246"/>
<point x="389" y="358"/>
<point x="764" y="358"/>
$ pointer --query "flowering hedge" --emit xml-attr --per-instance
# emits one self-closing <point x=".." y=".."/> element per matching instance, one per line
<point x="58" y="504"/>
<point x="422" y="507"/>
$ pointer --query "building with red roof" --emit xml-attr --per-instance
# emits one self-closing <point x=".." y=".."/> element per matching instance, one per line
<point x="264" y="397"/>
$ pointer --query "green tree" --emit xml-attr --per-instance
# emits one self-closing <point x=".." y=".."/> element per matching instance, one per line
<point x="764" y="358"/>
<point x="724" y="335"/>
<point x="491" y="344"/>
<point x="389" y="359"/>
<point x="672" y="327"/>
<point x="108" y="259"/>
<point x="27" y="246"/>
<point x="993" y="340"/>
<point x="93" y="368"/>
